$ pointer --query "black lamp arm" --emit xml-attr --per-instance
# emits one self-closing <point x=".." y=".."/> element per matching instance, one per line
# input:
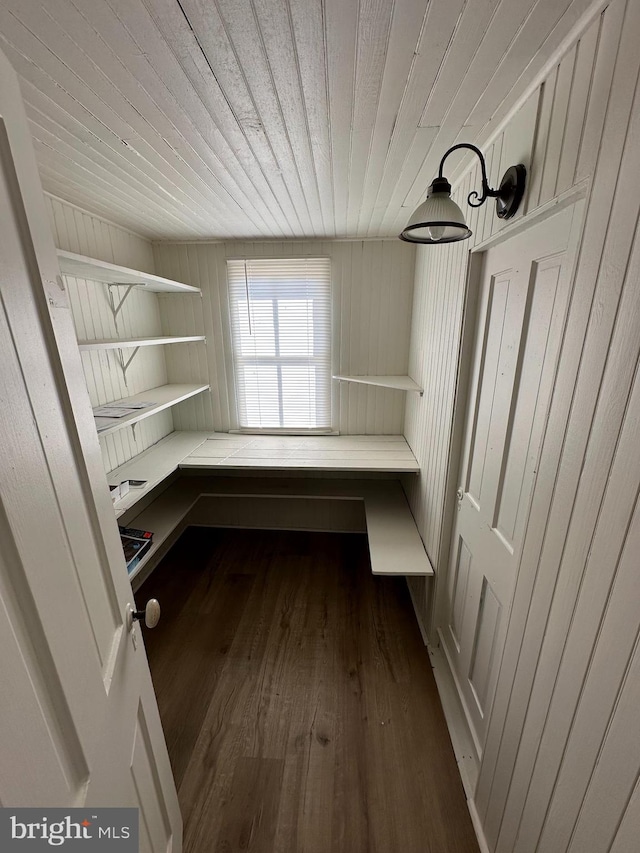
<point x="473" y="199"/>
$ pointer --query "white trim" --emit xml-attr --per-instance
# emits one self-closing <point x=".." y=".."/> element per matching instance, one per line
<point x="283" y="431"/>
<point x="456" y="429"/>
<point x="459" y="731"/>
<point x="461" y="739"/>
<point x="477" y="826"/>
<point x="310" y="255"/>
<point x="475" y="746"/>
<point x="537" y="215"/>
<point x="214" y="242"/>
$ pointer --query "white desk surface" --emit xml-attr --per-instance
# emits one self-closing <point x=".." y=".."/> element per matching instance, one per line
<point x="395" y="545"/>
<point x="379" y="453"/>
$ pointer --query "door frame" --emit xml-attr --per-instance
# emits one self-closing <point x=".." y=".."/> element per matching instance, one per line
<point x="574" y="197"/>
<point x="465" y="360"/>
<point x="61" y="415"/>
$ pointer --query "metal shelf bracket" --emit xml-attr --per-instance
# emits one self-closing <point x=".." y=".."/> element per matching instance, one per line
<point x="117" y="308"/>
<point x="125" y="364"/>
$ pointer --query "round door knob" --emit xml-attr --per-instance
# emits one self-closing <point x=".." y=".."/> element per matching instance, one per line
<point x="150" y="614"/>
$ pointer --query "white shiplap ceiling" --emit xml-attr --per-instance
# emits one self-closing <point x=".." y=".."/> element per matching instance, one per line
<point x="194" y="119"/>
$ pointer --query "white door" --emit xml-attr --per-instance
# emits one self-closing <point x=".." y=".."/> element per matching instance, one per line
<point x="521" y="309"/>
<point x="79" y="723"/>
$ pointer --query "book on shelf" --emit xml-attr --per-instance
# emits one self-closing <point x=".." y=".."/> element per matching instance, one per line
<point x="135" y="544"/>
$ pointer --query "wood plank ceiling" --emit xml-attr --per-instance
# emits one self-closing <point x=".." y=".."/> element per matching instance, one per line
<point x="192" y="119"/>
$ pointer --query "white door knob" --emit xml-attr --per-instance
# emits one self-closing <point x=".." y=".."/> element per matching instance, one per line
<point x="150" y="614"/>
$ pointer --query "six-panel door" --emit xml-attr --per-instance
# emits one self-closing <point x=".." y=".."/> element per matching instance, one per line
<point x="521" y="309"/>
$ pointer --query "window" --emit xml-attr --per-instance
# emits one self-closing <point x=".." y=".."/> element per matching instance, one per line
<point x="281" y="332"/>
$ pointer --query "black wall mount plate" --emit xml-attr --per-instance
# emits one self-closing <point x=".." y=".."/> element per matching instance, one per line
<point x="511" y="191"/>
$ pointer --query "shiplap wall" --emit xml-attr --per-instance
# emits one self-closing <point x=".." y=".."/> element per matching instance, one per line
<point x="77" y="231"/>
<point x="373" y="291"/>
<point x="556" y="134"/>
<point x="561" y="764"/>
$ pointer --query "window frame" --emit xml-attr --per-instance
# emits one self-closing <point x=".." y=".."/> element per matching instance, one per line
<point x="235" y="426"/>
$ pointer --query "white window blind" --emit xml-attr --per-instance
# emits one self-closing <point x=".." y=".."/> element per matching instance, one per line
<point x="281" y="332"/>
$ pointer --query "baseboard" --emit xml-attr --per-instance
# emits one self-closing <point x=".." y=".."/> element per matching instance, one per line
<point x="459" y="732"/>
<point x="477" y="825"/>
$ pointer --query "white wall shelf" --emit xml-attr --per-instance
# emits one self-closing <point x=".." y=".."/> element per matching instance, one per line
<point x="124" y="343"/>
<point x="165" y="518"/>
<point x="162" y="398"/>
<point x="82" y="266"/>
<point x="399" y="383"/>
<point x="121" y="282"/>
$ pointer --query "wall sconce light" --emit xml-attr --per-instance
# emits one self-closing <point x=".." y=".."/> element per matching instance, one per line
<point x="440" y="220"/>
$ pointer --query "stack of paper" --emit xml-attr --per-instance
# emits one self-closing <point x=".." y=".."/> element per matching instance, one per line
<point x="105" y="415"/>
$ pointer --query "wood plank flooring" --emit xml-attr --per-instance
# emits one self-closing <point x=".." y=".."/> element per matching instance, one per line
<point x="297" y="699"/>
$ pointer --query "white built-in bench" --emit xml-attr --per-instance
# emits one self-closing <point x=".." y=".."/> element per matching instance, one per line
<point x="280" y="482"/>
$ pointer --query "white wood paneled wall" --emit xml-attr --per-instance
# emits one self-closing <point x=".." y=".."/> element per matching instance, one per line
<point x="555" y="134"/>
<point x="77" y="231"/>
<point x="561" y="762"/>
<point x="373" y="291"/>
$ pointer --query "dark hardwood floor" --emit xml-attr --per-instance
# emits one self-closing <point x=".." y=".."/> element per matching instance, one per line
<point x="298" y="702"/>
